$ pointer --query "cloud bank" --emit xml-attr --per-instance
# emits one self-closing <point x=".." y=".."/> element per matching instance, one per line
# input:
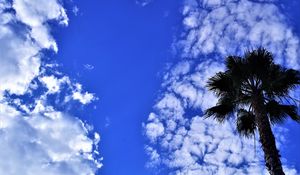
<point x="179" y="138"/>
<point x="36" y="137"/>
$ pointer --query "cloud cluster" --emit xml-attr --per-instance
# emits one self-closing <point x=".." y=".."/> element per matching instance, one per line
<point x="213" y="26"/>
<point x="48" y="144"/>
<point x="179" y="137"/>
<point x="73" y="91"/>
<point x="35" y="137"/>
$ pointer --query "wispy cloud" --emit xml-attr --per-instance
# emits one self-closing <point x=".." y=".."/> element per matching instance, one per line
<point x="143" y="3"/>
<point x="179" y="137"/>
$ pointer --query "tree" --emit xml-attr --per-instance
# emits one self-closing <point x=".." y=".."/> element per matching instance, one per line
<point x="258" y="91"/>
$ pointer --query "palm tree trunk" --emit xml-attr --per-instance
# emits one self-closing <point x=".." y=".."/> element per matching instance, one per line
<point x="267" y="139"/>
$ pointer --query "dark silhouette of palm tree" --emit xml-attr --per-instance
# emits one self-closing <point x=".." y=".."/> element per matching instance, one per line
<point x="258" y="91"/>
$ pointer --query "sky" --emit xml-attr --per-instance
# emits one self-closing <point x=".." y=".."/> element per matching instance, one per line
<point x="117" y="87"/>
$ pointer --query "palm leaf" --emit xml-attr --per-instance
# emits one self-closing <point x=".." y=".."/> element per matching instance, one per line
<point x="281" y="81"/>
<point x="220" y="83"/>
<point x="236" y="68"/>
<point x="258" y="62"/>
<point x="220" y="112"/>
<point x="245" y="123"/>
<point x="278" y="112"/>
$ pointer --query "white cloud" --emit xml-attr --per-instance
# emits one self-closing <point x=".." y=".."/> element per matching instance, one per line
<point x="19" y="59"/>
<point x="189" y="144"/>
<point x="82" y="97"/>
<point x="44" y="144"/>
<point x="154" y="129"/>
<point x="36" y="16"/>
<point x="20" y="46"/>
<point x="36" y="138"/>
<point x="54" y="85"/>
<point x="242" y="25"/>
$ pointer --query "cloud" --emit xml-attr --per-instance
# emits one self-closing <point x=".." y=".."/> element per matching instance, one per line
<point x="23" y="35"/>
<point x="143" y="3"/>
<point x="49" y="143"/>
<point x="88" y="66"/>
<point x="52" y="83"/>
<point x="180" y="139"/>
<point x="36" y="137"/>
<point x="55" y="84"/>
<point x="83" y="98"/>
<point x="242" y="25"/>
<point x="75" y="10"/>
<point x="35" y="16"/>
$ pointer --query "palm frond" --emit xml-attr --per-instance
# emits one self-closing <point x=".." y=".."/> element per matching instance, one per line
<point x="236" y="68"/>
<point x="279" y="112"/>
<point x="258" y="62"/>
<point x="220" y="83"/>
<point x="220" y="112"/>
<point x="284" y="81"/>
<point x="245" y="123"/>
<point x="281" y="81"/>
<point x="234" y="63"/>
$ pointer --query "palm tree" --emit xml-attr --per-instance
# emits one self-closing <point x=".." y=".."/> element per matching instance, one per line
<point x="258" y="91"/>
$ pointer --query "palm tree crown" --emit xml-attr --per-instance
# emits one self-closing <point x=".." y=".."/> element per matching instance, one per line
<point x="258" y="90"/>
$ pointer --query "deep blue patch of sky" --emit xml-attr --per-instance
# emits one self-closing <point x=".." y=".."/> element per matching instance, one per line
<point x="128" y="45"/>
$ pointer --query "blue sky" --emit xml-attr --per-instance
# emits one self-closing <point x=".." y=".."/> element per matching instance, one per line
<point x="118" y="87"/>
<point x="128" y="46"/>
